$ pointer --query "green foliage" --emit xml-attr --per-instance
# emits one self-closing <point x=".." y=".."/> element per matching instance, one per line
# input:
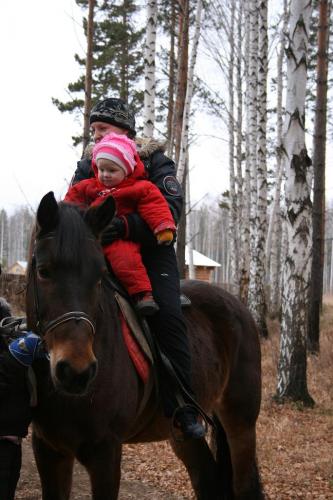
<point x="117" y="58"/>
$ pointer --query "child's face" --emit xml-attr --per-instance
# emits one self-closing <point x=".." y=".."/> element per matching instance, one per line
<point x="109" y="173"/>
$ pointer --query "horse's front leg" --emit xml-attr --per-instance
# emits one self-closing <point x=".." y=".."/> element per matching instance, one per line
<point x="55" y="470"/>
<point x="102" y="462"/>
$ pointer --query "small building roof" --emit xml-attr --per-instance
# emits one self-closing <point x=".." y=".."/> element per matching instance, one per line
<point x="200" y="259"/>
<point x="22" y="263"/>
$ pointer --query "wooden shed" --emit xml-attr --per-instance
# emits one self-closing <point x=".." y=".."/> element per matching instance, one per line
<point x="19" y="267"/>
<point x="203" y="266"/>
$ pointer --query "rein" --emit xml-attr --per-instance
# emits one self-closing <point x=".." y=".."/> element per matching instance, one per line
<point x="77" y="316"/>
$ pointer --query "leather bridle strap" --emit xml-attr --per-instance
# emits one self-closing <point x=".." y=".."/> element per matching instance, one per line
<point x="64" y="318"/>
<point x="69" y="316"/>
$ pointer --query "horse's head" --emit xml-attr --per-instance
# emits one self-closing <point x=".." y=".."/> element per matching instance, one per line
<point x="64" y="282"/>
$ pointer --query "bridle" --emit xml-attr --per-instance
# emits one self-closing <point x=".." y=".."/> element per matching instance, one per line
<point x="76" y="316"/>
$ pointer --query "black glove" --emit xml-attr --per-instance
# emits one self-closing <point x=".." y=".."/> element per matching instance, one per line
<point x="115" y="231"/>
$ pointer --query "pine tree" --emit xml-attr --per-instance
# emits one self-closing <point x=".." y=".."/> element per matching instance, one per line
<point x="117" y="62"/>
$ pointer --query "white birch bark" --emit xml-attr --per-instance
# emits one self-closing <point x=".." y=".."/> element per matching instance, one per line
<point x="189" y="94"/>
<point x="274" y="236"/>
<point x="233" y="221"/>
<point x="149" y="61"/>
<point x="255" y="288"/>
<point x="246" y="208"/>
<point x="292" y="382"/>
<point x="257" y="299"/>
<point x="239" y="135"/>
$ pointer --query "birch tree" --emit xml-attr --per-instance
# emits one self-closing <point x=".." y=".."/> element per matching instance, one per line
<point x="274" y="236"/>
<point x="257" y="150"/>
<point x="246" y="208"/>
<point x="149" y="61"/>
<point x="319" y="160"/>
<point x="239" y="136"/>
<point x="233" y="228"/>
<point x="292" y="381"/>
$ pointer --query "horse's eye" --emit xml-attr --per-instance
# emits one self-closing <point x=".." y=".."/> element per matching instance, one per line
<point x="44" y="273"/>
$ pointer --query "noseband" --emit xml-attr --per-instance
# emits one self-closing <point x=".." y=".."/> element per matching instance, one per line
<point x="76" y="316"/>
<point x="69" y="316"/>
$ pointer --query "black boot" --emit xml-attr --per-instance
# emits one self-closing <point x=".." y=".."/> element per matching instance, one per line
<point x="186" y="419"/>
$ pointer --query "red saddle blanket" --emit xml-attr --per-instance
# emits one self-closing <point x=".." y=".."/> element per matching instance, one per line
<point x="135" y="351"/>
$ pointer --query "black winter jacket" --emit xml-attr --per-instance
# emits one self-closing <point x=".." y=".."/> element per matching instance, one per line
<point x="15" y="410"/>
<point x="161" y="172"/>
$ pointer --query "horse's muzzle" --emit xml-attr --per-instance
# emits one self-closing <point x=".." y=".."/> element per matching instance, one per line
<point x="71" y="381"/>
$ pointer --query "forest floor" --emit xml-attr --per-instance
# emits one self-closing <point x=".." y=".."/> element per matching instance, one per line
<point x="295" y="444"/>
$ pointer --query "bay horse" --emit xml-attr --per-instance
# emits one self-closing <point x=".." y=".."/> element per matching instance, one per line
<point x="89" y="391"/>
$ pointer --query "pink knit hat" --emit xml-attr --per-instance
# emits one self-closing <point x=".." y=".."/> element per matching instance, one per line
<point x="118" y="148"/>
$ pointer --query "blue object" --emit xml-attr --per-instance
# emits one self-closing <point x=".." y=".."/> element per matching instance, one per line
<point x="27" y="348"/>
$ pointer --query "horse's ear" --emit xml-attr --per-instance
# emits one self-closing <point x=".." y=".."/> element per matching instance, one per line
<point x="98" y="217"/>
<point x="48" y="213"/>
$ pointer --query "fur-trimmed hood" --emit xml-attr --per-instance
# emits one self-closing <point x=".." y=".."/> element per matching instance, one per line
<point x="146" y="147"/>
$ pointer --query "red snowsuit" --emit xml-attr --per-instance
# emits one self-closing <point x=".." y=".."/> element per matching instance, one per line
<point x="133" y="194"/>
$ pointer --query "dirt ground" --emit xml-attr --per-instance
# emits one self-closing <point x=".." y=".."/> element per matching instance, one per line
<point x="295" y="445"/>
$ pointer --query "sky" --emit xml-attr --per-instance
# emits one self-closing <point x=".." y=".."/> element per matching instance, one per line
<point x="38" y="41"/>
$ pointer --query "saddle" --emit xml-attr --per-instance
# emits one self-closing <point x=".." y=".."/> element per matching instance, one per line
<point x="136" y="332"/>
<point x="145" y="353"/>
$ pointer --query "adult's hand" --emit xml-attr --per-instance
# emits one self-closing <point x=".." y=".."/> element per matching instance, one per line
<point x="115" y="231"/>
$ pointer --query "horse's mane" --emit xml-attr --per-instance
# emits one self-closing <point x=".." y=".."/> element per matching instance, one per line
<point x="71" y="237"/>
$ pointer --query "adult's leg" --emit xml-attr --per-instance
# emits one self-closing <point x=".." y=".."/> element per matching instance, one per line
<point x="10" y="466"/>
<point x="168" y="324"/>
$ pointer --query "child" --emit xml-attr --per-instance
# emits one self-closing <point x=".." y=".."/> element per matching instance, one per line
<point x="120" y="173"/>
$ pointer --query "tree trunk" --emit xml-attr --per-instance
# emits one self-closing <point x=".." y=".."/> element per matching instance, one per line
<point x="292" y="380"/>
<point x="239" y="135"/>
<point x="88" y="76"/>
<point x="246" y="209"/>
<point x="233" y="220"/>
<point x="256" y="295"/>
<point x="188" y="99"/>
<point x="171" y="86"/>
<point x="319" y="160"/>
<point x="181" y="75"/>
<point x="190" y="235"/>
<point x="274" y="236"/>
<point x="150" y="48"/>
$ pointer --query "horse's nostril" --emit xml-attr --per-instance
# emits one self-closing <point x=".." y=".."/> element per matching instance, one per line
<point x="72" y="381"/>
<point x="93" y="370"/>
<point x="63" y="371"/>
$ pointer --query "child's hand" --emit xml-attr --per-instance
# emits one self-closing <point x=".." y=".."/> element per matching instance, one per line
<point x="165" y="237"/>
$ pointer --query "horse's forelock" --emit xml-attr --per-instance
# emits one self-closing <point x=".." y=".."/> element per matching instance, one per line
<point x="71" y="237"/>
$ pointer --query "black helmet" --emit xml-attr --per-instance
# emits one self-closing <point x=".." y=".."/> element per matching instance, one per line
<point x="114" y="111"/>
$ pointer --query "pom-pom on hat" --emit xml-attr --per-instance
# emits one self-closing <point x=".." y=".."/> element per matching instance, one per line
<point x="118" y="148"/>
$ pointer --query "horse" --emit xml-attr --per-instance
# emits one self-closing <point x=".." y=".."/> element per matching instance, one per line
<point x="89" y="392"/>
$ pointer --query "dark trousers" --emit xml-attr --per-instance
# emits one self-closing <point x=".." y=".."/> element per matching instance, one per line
<point x="168" y="325"/>
<point x="10" y="466"/>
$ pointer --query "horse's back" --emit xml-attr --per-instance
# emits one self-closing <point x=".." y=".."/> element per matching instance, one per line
<point x="225" y="348"/>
